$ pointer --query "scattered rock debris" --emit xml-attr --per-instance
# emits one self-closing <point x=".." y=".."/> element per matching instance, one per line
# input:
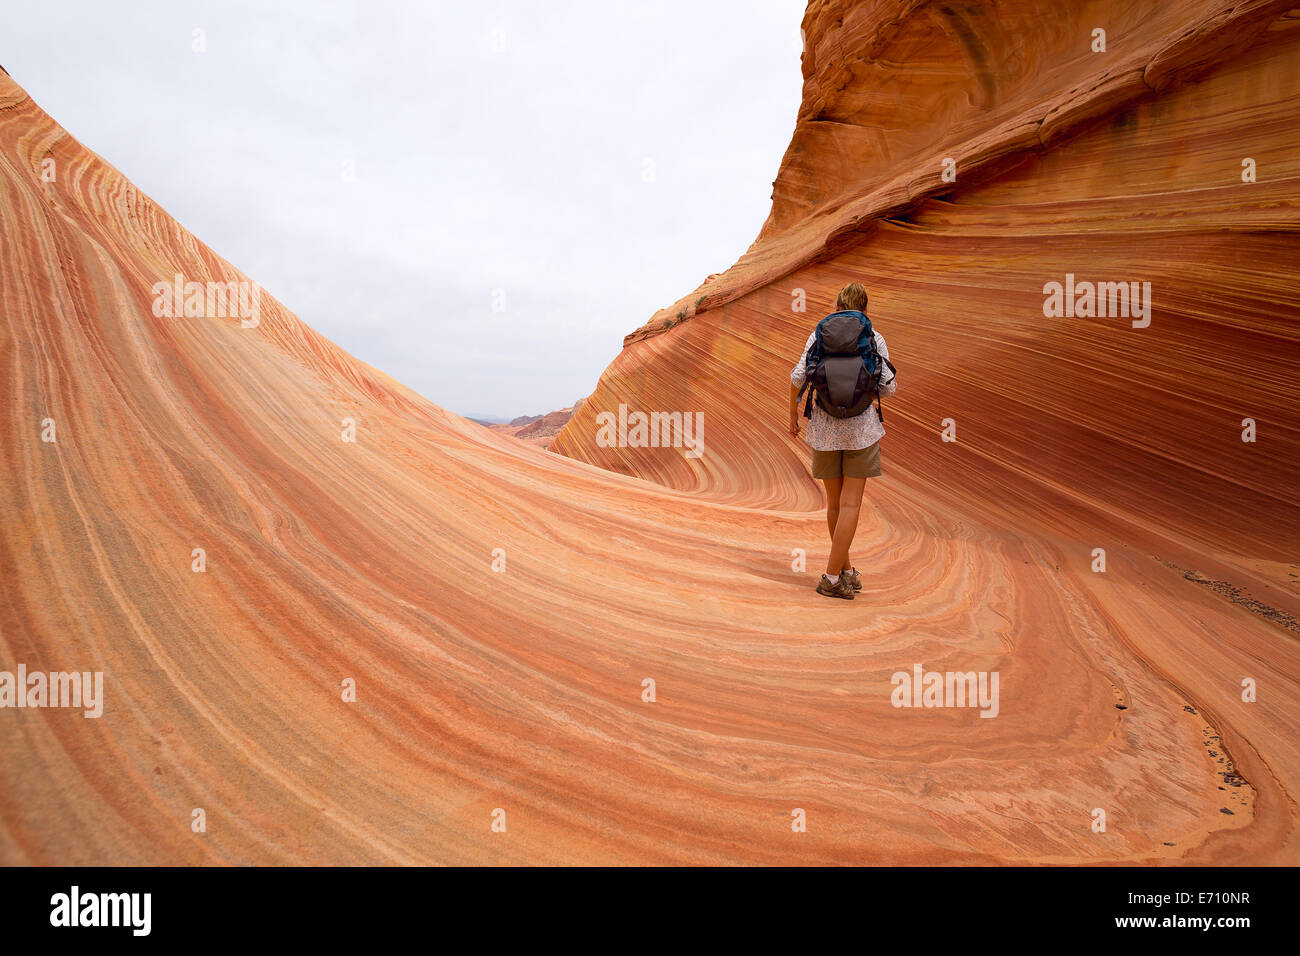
<point x="1237" y="596"/>
<point x="1232" y="780"/>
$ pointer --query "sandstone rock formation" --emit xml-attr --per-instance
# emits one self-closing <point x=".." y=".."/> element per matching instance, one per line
<point x="1073" y="434"/>
<point x="328" y="561"/>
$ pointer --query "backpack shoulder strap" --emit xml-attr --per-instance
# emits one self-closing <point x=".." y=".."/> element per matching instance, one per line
<point x="880" y="402"/>
<point x="811" y="358"/>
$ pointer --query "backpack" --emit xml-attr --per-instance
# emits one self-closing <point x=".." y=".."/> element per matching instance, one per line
<point x="843" y="367"/>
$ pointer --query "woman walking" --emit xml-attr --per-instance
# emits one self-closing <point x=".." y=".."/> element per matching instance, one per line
<point x="845" y="446"/>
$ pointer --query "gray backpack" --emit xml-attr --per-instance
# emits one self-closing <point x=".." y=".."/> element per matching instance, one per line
<point x="843" y="367"/>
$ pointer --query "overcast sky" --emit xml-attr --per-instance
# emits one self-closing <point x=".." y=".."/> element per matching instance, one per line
<point x="389" y="169"/>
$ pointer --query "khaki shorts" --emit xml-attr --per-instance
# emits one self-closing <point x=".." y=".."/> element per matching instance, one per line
<point x="859" y="463"/>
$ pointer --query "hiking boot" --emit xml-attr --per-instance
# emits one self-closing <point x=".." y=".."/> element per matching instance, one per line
<point x="854" y="578"/>
<point x="840" y="589"/>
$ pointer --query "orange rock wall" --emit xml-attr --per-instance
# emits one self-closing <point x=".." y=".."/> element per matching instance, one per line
<point x="522" y="689"/>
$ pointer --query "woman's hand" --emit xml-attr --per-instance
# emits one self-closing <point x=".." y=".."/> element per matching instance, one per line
<point x="794" y="427"/>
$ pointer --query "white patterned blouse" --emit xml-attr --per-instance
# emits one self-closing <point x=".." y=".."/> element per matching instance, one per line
<point x="827" y="433"/>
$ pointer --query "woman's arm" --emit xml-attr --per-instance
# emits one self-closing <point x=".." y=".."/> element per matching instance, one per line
<point x="798" y="375"/>
<point x="887" y="385"/>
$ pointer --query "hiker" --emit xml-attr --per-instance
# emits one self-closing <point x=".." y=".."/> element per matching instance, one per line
<point x="845" y="364"/>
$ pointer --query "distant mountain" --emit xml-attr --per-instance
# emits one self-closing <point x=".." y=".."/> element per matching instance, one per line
<point x="537" y="430"/>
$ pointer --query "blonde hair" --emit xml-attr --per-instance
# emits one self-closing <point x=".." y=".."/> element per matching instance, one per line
<point x="852" y="298"/>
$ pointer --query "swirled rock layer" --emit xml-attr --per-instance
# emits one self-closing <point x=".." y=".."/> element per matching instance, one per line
<point x="435" y="644"/>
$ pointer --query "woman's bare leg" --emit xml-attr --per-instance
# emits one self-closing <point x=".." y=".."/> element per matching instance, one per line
<point x="846" y="524"/>
<point x="833" y="487"/>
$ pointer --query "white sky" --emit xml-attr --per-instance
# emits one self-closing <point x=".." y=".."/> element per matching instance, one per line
<point x="494" y="145"/>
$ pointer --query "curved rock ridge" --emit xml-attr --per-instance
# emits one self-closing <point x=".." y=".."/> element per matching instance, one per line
<point x="1084" y="431"/>
<point x="397" y="642"/>
<point x="895" y="89"/>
